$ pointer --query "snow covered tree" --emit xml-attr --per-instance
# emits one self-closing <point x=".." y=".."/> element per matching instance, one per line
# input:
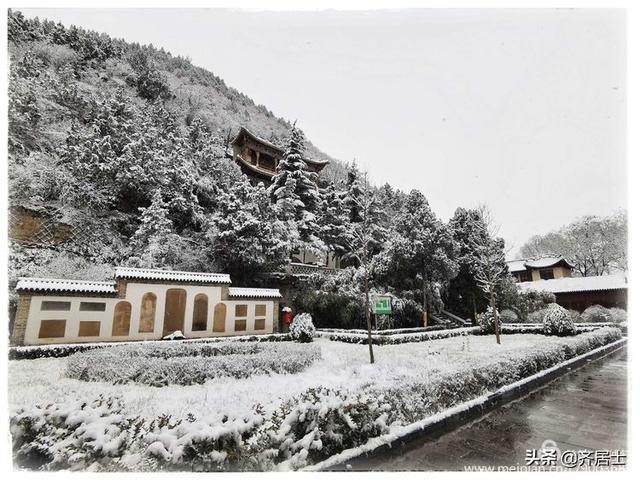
<point x="490" y="269"/>
<point x="154" y="238"/>
<point x="360" y="244"/>
<point x="246" y="237"/>
<point x="594" y="245"/>
<point x="333" y="220"/>
<point x="353" y="204"/>
<point x="353" y="193"/>
<point x="295" y="193"/>
<point x="420" y="257"/>
<point x="464" y="295"/>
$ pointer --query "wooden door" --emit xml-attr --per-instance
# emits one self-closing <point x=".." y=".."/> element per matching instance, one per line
<point x="174" y="308"/>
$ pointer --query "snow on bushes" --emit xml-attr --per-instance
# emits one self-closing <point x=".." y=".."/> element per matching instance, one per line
<point x="486" y="322"/>
<point x="183" y="363"/>
<point x="302" y="328"/>
<point x="64" y="350"/>
<point x="508" y="316"/>
<point x="395" y="339"/>
<point x="558" y="322"/>
<point x="618" y="315"/>
<point x="304" y="429"/>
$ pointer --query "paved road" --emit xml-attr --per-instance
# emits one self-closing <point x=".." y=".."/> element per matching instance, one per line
<point x="583" y="410"/>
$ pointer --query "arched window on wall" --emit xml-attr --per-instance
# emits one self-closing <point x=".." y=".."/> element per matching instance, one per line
<point x="200" y="306"/>
<point x="219" y="317"/>
<point x="148" y="313"/>
<point x="121" y="319"/>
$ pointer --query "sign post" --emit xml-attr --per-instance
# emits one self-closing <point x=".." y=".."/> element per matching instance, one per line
<point x="381" y="306"/>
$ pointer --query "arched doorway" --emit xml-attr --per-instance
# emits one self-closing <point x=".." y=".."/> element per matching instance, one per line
<point x="174" y="308"/>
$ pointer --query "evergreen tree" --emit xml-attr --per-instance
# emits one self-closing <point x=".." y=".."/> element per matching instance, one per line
<point x="354" y="193"/>
<point x="420" y="257"/>
<point x="464" y="295"/>
<point x="153" y="240"/>
<point x="246" y="237"/>
<point x="295" y="193"/>
<point x="333" y="220"/>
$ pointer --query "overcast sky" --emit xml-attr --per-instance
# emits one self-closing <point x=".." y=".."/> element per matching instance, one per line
<point x="523" y="110"/>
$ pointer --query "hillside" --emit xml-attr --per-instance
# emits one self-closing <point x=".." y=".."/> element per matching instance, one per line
<point x="195" y="92"/>
<point x="97" y="126"/>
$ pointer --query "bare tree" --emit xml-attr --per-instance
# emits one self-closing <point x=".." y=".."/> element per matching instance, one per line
<point x="488" y="273"/>
<point x="360" y="248"/>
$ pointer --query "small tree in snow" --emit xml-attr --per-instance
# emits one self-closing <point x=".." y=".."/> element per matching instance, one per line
<point x="302" y="328"/>
<point x="361" y="241"/>
<point x="489" y="271"/>
<point x="152" y="242"/>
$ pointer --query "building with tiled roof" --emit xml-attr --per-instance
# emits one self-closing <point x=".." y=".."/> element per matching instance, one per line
<point x="578" y="293"/>
<point x="541" y="268"/>
<point x="140" y="304"/>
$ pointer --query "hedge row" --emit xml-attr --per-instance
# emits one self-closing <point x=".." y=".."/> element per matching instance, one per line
<point x="362" y="338"/>
<point x="392" y="331"/>
<point x="304" y="429"/>
<point x="172" y="363"/>
<point x="64" y="350"/>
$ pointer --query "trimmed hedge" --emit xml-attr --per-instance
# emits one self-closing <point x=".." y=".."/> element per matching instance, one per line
<point x="395" y="339"/>
<point x="61" y="350"/>
<point x="188" y="363"/>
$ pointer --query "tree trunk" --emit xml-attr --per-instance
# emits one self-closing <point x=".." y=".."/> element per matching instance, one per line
<point x="495" y="316"/>
<point x="475" y="308"/>
<point x="425" y="312"/>
<point x="368" y="310"/>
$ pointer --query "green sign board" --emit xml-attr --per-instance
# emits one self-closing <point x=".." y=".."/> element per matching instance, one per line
<point x="382" y="305"/>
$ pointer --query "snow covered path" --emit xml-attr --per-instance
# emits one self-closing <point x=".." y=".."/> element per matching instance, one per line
<point x="343" y="366"/>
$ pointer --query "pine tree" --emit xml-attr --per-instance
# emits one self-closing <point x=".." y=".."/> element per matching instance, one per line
<point x="464" y="295"/>
<point x="294" y="191"/>
<point x="421" y="254"/>
<point x="354" y="193"/>
<point x="152" y="241"/>
<point x="246" y="237"/>
<point x="333" y="220"/>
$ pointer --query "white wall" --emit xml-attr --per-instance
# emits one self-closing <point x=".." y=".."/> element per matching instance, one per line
<point x="135" y="292"/>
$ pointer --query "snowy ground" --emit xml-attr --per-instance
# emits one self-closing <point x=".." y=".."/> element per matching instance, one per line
<point x="343" y="366"/>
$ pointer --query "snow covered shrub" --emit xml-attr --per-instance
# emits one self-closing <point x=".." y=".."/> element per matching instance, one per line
<point x="486" y="322"/>
<point x="537" y="316"/>
<point x="558" y="322"/>
<point x="361" y="337"/>
<point x="574" y="315"/>
<point x="302" y="328"/>
<point x="595" y="314"/>
<point x="165" y="363"/>
<point x="618" y="315"/>
<point x="322" y="422"/>
<point x="508" y="316"/>
<point x="49" y="351"/>
<point x="71" y="435"/>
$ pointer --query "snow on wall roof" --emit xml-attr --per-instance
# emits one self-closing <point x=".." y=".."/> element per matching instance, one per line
<point x="65" y="285"/>
<point x="154" y="274"/>
<point x="254" y="292"/>
<point x="541" y="262"/>
<point x="576" y="284"/>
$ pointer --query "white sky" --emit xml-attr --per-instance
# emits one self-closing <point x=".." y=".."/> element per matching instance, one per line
<point x="523" y="110"/>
